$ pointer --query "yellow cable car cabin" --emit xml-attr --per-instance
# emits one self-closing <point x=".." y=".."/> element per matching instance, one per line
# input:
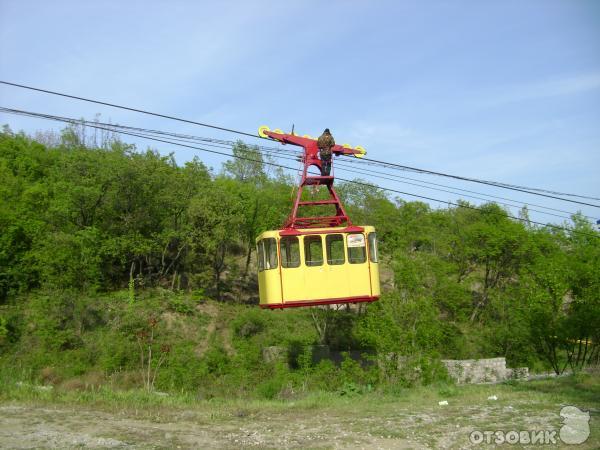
<point x="317" y="260"/>
<point x="317" y="267"/>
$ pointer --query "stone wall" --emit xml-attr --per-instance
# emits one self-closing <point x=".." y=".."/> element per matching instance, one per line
<point x="491" y="370"/>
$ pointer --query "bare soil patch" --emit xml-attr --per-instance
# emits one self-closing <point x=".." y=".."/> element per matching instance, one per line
<point x="394" y="427"/>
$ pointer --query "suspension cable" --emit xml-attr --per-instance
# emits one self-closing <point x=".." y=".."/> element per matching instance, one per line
<point x="532" y="191"/>
<point x="361" y="183"/>
<point x="270" y="151"/>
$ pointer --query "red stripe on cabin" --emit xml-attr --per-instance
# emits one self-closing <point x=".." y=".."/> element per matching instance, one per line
<point x="322" y="301"/>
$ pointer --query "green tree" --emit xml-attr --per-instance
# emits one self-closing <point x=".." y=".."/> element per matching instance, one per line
<point x="247" y="164"/>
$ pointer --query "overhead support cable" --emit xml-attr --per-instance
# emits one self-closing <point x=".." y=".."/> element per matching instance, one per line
<point x="459" y="205"/>
<point x="532" y="191"/>
<point x="272" y="152"/>
<point x="400" y="179"/>
<point x="127" y="108"/>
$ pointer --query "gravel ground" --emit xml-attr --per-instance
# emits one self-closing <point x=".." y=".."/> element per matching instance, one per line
<point x="25" y="426"/>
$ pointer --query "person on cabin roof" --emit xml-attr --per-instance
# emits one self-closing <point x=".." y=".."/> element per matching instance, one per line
<point x="325" y="143"/>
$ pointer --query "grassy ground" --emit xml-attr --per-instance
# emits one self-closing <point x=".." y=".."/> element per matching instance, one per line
<point x="410" y="418"/>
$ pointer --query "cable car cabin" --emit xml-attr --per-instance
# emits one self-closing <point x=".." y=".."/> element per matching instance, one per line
<point x="307" y="267"/>
<point x="316" y="260"/>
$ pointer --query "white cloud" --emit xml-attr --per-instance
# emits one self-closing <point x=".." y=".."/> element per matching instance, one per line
<point x="538" y="90"/>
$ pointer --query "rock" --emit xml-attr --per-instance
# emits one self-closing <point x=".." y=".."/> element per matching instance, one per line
<point x="44" y="388"/>
<point x="273" y="354"/>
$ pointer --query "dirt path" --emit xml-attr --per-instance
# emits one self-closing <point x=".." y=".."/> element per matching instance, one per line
<point x="415" y="419"/>
<point x="25" y="427"/>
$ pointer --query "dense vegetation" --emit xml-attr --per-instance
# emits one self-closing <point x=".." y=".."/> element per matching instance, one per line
<point x="122" y="267"/>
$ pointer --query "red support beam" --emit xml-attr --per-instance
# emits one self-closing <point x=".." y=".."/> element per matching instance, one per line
<point x="311" y="158"/>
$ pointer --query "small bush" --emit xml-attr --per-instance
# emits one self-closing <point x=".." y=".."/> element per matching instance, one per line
<point x="90" y="381"/>
<point x="269" y="388"/>
<point x="49" y="375"/>
<point x="353" y="389"/>
<point x="279" y="384"/>
<point x="181" y="305"/>
<point x="216" y="362"/>
<point x="249" y="324"/>
<point x="447" y="390"/>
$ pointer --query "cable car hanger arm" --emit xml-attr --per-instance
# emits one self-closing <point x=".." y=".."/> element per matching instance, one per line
<point x="308" y="142"/>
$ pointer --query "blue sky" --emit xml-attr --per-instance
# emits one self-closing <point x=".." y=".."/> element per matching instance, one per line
<point x="500" y="90"/>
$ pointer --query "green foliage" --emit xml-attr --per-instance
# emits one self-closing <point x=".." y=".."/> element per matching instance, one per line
<point x="97" y="237"/>
<point x="3" y="330"/>
<point x="249" y="324"/>
<point x="247" y="165"/>
<point x="273" y="385"/>
<point x="181" y="304"/>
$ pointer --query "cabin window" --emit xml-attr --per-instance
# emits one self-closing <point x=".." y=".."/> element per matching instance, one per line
<point x="356" y="248"/>
<point x="260" y="256"/>
<point x="290" y="252"/>
<point x="373" y="255"/>
<point x="270" y="246"/>
<point x="335" y="249"/>
<point x="313" y="251"/>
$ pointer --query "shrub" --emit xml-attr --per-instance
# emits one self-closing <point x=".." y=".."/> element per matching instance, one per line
<point x="249" y="324"/>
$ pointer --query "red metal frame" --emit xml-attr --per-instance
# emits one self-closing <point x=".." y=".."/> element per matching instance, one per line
<point x="311" y="158"/>
<point x="295" y="225"/>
